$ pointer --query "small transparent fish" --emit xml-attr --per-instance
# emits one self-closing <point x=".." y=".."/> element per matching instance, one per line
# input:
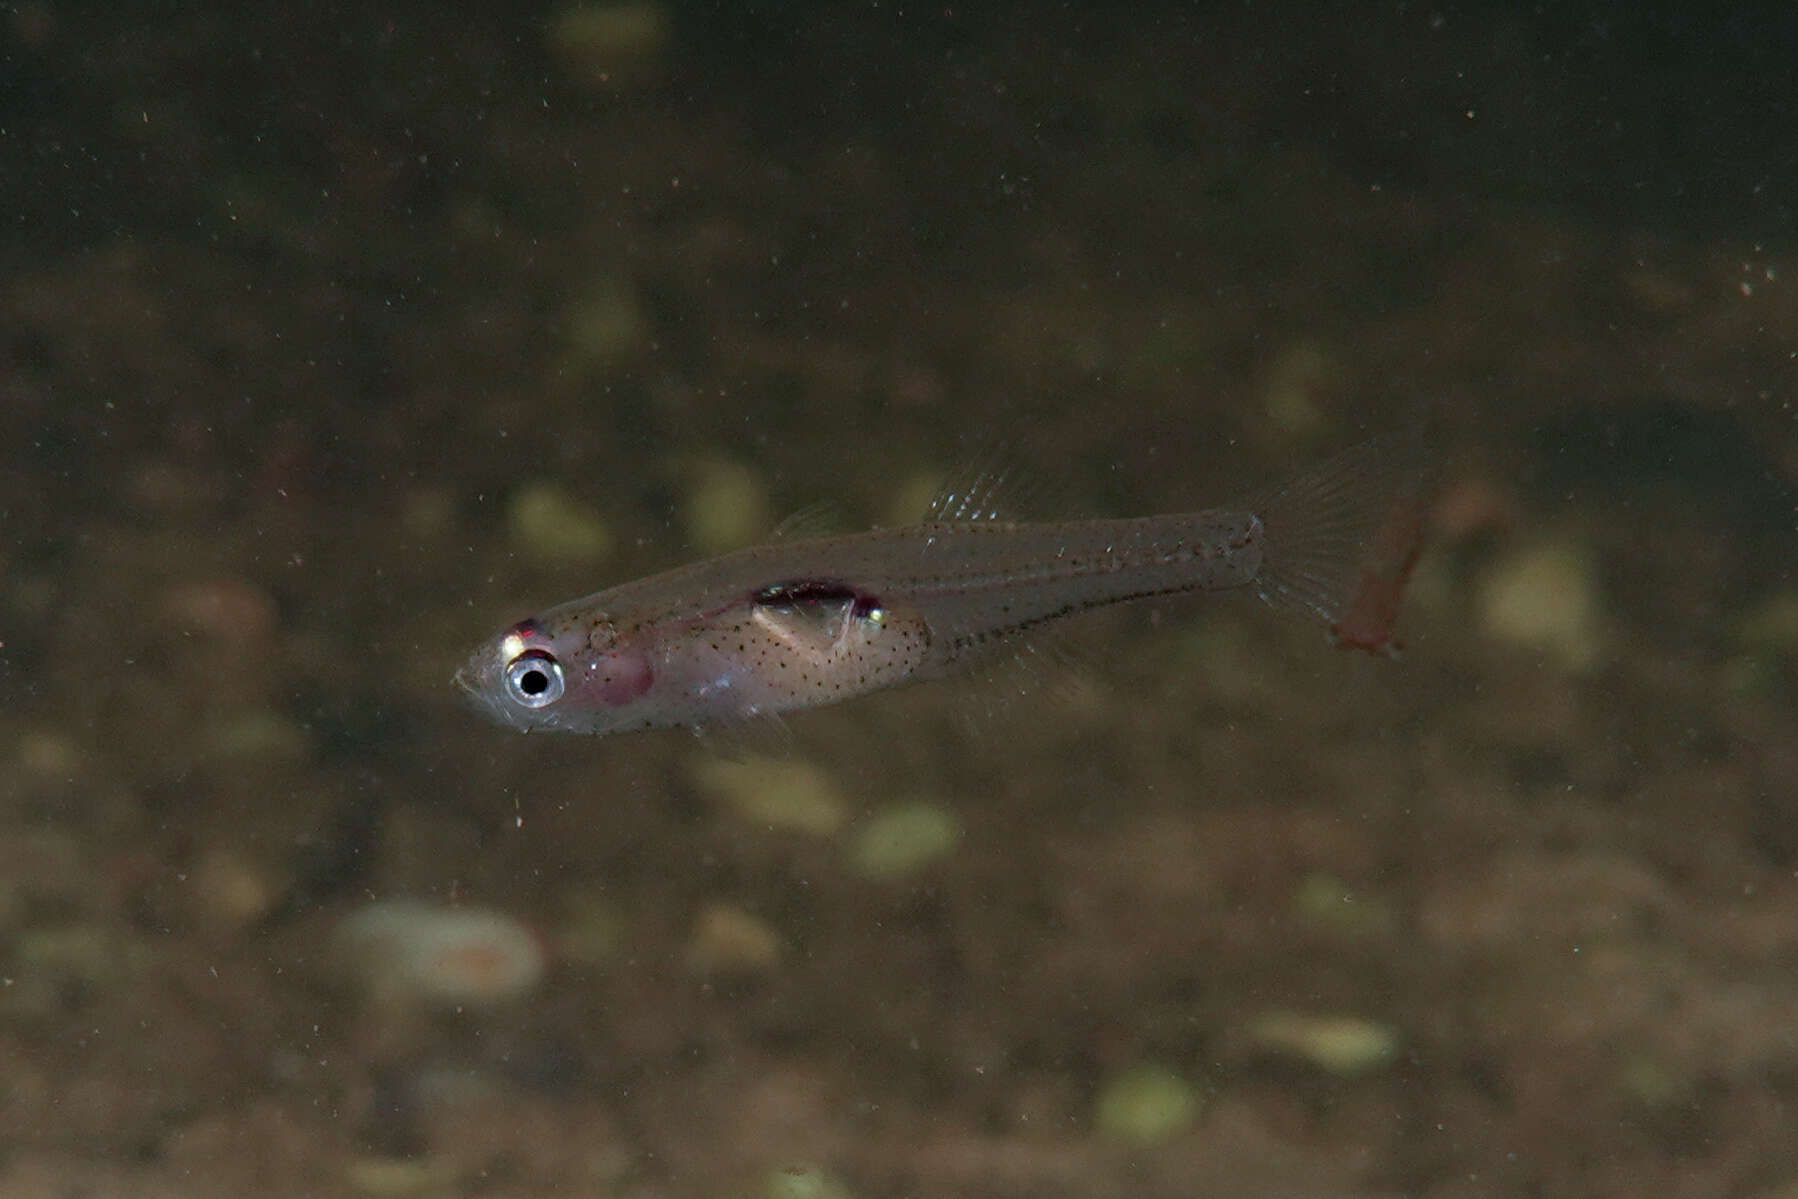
<point x="805" y="621"/>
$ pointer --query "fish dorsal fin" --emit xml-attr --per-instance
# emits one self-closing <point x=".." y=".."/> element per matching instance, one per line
<point x="820" y="519"/>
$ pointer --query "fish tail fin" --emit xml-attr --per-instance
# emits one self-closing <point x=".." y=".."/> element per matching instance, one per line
<point x="1342" y="538"/>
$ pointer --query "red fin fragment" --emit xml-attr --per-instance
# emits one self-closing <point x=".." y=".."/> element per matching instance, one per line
<point x="1372" y="610"/>
<point x="1343" y="538"/>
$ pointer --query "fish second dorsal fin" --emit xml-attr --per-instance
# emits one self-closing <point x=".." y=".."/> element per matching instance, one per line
<point x="992" y="487"/>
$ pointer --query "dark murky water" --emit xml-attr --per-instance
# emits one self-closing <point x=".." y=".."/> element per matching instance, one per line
<point x="332" y="341"/>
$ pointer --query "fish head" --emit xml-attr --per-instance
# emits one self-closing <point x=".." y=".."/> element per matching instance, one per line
<point x="568" y="675"/>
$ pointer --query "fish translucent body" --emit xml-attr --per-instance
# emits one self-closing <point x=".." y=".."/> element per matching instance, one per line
<point x="798" y="623"/>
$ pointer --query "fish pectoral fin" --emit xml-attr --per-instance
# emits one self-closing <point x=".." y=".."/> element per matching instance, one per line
<point x="818" y="631"/>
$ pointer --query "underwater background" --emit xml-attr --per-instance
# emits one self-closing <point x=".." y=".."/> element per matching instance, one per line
<point x="334" y="337"/>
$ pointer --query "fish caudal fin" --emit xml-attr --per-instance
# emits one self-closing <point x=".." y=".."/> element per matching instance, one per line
<point x="1342" y="539"/>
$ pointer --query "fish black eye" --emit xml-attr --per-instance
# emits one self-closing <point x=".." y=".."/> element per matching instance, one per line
<point x="534" y="679"/>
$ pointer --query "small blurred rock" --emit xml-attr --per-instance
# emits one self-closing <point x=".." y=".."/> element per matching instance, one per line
<point x="1346" y="1046"/>
<point x="1545" y="597"/>
<point x="593" y="930"/>
<point x="1296" y="380"/>
<point x="258" y="734"/>
<point x="552" y="526"/>
<point x="227" y="609"/>
<point x="725" y="507"/>
<point x="610" y="45"/>
<point x="727" y="939"/>
<point x="1771" y="627"/>
<point x="804" y="1182"/>
<point x="904" y="838"/>
<point x="606" y="325"/>
<point x="229" y="890"/>
<point x="388" y="1176"/>
<point x="406" y="951"/>
<point x="781" y="793"/>
<point x="1146" y="1104"/>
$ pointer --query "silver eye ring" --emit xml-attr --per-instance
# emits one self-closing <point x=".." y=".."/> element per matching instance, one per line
<point x="534" y="679"/>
